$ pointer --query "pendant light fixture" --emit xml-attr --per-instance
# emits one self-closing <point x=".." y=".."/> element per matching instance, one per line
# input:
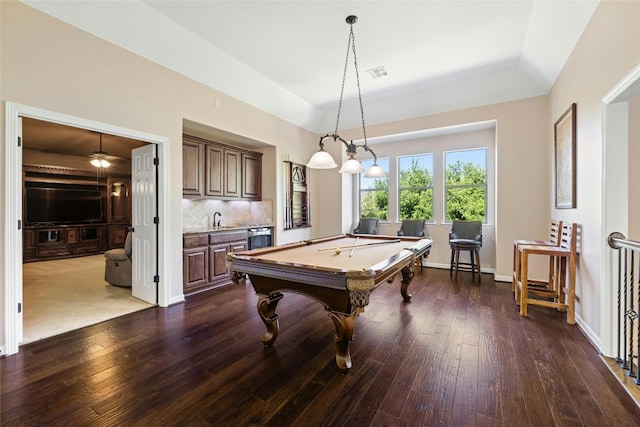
<point x="322" y="159"/>
<point x="98" y="158"/>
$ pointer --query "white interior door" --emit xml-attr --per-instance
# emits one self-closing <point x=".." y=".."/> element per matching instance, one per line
<point x="144" y="210"/>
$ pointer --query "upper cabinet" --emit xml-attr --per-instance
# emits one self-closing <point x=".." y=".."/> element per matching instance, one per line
<point x="232" y="173"/>
<point x="214" y="170"/>
<point x="214" y="156"/>
<point x="192" y="167"/>
<point x="252" y="176"/>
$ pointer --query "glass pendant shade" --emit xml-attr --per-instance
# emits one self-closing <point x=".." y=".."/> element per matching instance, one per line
<point x="322" y="160"/>
<point x="352" y="166"/>
<point x="375" y="171"/>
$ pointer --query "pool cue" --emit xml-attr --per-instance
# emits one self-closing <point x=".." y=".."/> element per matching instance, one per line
<point x="354" y="248"/>
<point x="359" y="246"/>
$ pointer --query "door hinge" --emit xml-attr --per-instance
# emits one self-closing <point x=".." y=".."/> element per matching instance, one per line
<point x="156" y="279"/>
<point x="19" y="141"/>
<point x="156" y="161"/>
<point x="19" y="224"/>
<point x="19" y="307"/>
<point x="156" y="220"/>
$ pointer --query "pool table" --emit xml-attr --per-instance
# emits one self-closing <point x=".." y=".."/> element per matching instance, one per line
<point x="339" y="271"/>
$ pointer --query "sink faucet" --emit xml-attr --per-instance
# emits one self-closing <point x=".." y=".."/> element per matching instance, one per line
<point x="214" y="219"/>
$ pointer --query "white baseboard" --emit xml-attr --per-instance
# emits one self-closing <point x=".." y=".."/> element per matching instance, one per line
<point x="591" y="336"/>
<point x="446" y="267"/>
<point x="177" y="299"/>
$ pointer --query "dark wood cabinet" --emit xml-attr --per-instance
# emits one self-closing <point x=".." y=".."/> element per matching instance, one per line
<point x="218" y="263"/>
<point x="228" y="173"/>
<point x="251" y="176"/>
<point x="72" y="235"/>
<point x="238" y="246"/>
<point x="232" y="173"/>
<point x="66" y="241"/>
<point x="192" y="166"/>
<point x="117" y="234"/>
<point x="214" y="178"/>
<point x="29" y="245"/>
<point x="196" y="266"/>
<point x="205" y="258"/>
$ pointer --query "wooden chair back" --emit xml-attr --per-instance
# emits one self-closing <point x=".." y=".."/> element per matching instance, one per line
<point x="556" y="230"/>
<point x="570" y="236"/>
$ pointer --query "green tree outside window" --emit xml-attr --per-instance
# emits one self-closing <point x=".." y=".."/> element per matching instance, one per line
<point x="415" y="189"/>
<point x="466" y="184"/>
<point x="374" y="192"/>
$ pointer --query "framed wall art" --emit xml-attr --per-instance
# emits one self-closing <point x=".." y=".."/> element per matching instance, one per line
<point x="564" y="131"/>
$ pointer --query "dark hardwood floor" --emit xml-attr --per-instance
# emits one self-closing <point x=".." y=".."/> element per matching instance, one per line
<point x="457" y="354"/>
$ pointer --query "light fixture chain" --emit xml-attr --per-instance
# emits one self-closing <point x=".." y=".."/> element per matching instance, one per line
<point x="355" y="62"/>
<point x="344" y="77"/>
<point x="322" y="159"/>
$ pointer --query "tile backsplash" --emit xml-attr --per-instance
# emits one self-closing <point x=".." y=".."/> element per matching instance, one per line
<point x="197" y="215"/>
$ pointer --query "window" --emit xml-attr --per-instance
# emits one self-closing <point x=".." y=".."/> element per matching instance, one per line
<point x="415" y="187"/>
<point x="465" y="184"/>
<point x="374" y="192"/>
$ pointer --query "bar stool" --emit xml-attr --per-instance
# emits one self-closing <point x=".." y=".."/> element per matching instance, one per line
<point x="415" y="228"/>
<point x="465" y="236"/>
<point x="561" y="292"/>
<point x="554" y="240"/>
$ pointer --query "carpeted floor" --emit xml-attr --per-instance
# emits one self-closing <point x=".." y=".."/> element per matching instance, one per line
<point x="63" y="295"/>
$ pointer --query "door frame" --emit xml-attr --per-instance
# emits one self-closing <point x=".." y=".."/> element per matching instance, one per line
<point x="13" y="207"/>
<point x="615" y="200"/>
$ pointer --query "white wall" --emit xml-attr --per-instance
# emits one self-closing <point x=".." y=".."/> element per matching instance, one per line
<point x="607" y="51"/>
<point x="50" y="65"/>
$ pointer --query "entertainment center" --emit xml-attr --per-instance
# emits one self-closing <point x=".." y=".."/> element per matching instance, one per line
<point x="71" y="212"/>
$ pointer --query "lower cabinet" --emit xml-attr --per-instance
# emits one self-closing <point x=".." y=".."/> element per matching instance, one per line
<point x="42" y="243"/>
<point x="204" y="258"/>
<point x="117" y="235"/>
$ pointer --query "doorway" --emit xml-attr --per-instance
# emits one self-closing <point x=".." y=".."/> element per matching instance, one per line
<point x="619" y="204"/>
<point x="75" y="208"/>
<point x="13" y="278"/>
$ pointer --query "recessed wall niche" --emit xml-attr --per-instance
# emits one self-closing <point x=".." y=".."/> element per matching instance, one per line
<point x="297" y="196"/>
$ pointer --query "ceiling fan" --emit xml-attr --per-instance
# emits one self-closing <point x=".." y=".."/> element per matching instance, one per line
<point x="98" y="158"/>
<point x="101" y="159"/>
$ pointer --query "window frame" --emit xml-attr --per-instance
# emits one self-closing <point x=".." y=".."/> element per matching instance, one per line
<point x="446" y="187"/>
<point x="358" y="178"/>
<point x="399" y="189"/>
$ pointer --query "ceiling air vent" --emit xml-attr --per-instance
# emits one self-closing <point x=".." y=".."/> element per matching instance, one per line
<point x="377" y="72"/>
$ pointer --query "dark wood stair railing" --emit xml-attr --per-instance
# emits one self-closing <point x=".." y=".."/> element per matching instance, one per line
<point x="628" y="302"/>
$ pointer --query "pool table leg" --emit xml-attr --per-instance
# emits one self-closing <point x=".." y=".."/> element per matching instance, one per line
<point x="267" y="310"/>
<point x="407" y="276"/>
<point x="345" y="325"/>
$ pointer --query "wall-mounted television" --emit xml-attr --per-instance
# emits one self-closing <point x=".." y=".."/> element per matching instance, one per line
<point x="51" y="204"/>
